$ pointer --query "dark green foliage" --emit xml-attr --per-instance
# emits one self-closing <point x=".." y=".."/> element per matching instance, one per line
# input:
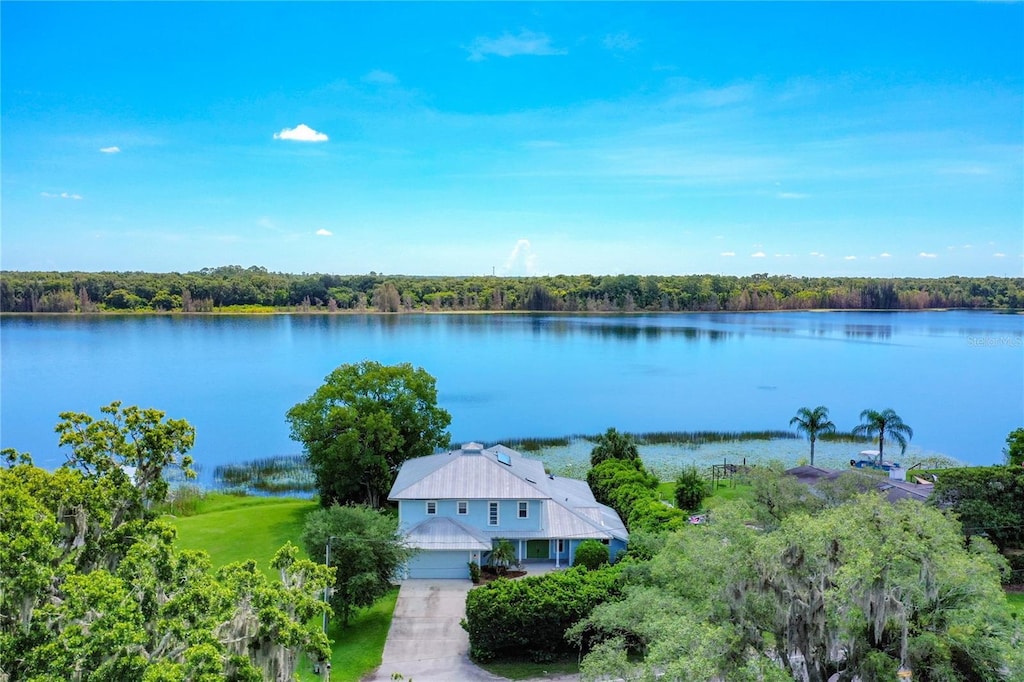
<point x="591" y="554"/>
<point x="988" y="500"/>
<point x="627" y="487"/>
<point x="691" y="489"/>
<point x="1014" y="450"/>
<point x="614" y="445"/>
<point x="474" y="571"/>
<point x="884" y="424"/>
<point x="610" y="475"/>
<point x="361" y="425"/>
<point x="366" y="550"/>
<point x="529" y="616"/>
<point x="503" y="556"/>
<point x="233" y="285"/>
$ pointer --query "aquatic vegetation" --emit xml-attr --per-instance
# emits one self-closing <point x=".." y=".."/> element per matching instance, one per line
<point x="270" y="475"/>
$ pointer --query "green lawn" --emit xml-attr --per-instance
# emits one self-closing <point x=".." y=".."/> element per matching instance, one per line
<point x="1016" y="602"/>
<point x="726" y="492"/>
<point x="526" y="670"/>
<point x="237" y="528"/>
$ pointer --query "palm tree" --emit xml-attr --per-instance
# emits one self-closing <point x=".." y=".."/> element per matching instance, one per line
<point x="813" y="422"/>
<point x="884" y="423"/>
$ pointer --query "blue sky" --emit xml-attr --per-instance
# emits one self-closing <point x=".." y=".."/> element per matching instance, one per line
<point x="806" y="138"/>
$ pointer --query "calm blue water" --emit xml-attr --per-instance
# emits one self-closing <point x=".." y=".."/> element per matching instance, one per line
<point x="956" y="377"/>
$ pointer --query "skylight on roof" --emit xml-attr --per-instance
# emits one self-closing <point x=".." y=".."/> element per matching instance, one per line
<point x="504" y="458"/>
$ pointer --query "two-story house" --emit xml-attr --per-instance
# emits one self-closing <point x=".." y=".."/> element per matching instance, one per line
<point x="454" y="507"/>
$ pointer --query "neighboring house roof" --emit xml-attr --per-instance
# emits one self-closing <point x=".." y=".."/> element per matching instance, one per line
<point x="446" y="533"/>
<point x="893" y="489"/>
<point x="501" y="473"/>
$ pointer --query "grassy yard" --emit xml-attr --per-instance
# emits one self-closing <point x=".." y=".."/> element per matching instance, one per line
<point x="237" y="528"/>
<point x="726" y="492"/>
<point x="1016" y="602"/>
<point x="528" y="670"/>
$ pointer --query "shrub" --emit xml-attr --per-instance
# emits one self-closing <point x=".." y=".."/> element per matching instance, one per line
<point x="691" y="489"/>
<point x="474" y="571"/>
<point x="530" y="616"/>
<point x="591" y="554"/>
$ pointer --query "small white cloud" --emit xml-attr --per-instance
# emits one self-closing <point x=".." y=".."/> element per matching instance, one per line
<point x="999" y="255"/>
<point x="885" y="255"/>
<point x="968" y="246"/>
<point x="926" y="255"/>
<point x="817" y="254"/>
<point x="324" y="233"/>
<point x="792" y="195"/>
<point x="379" y="77"/>
<point x="62" y="195"/>
<point x="110" y="150"/>
<point x="300" y="133"/>
<point x="849" y="258"/>
<point x="508" y="45"/>
<point x="522" y="259"/>
<point x="728" y="254"/>
<point x="758" y="254"/>
<point x="620" y="41"/>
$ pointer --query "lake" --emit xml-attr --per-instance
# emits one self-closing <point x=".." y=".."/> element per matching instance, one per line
<point x="956" y="377"/>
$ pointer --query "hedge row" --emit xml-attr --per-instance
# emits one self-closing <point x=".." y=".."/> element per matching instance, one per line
<point x="510" y="618"/>
<point x="629" y="489"/>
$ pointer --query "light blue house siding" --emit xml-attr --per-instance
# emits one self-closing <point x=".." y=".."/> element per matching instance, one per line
<point x="411" y="512"/>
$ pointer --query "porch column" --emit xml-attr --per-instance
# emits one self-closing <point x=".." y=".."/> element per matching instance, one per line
<point x="558" y="555"/>
<point x="520" y="545"/>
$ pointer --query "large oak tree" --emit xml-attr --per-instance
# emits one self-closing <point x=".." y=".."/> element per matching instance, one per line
<point x="361" y="425"/>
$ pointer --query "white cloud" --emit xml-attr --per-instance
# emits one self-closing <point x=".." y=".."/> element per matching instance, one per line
<point x="999" y="255"/>
<point x="728" y="253"/>
<point x="324" y="233"/>
<point x="926" y="255"/>
<point x="522" y="260"/>
<point x="62" y="195"/>
<point x="300" y="133"/>
<point x="508" y="45"/>
<point x="759" y="254"/>
<point x="849" y="258"/>
<point x="620" y="41"/>
<point x="110" y="150"/>
<point x="379" y="77"/>
<point x="818" y="254"/>
<point x="885" y="255"/>
<point x="792" y="195"/>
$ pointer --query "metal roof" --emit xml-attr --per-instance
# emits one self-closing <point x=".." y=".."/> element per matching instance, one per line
<point x="446" y="533"/>
<point x="473" y="473"/>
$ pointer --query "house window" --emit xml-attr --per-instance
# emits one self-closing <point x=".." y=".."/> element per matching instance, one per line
<point x="561" y="546"/>
<point x="524" y="510"/>
<point x="462" y="507"/>
<point x="605" y="541"/>
<point x="431" y="507"/>
<point x="492" y="513"/>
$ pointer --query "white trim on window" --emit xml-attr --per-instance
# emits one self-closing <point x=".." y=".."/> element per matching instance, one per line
<point x="524" y="510"/>
<point x="431" y="507"/>
<point x="462" y="507"/>
<point x="493" y="514"/>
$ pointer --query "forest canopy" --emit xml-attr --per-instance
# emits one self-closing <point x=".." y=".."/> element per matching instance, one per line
<point x="211" y="289"/>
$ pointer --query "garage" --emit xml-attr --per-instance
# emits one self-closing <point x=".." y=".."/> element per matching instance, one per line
<point x="439" y="564"/>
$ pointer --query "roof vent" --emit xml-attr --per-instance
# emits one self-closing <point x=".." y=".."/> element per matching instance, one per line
<point x="530" y="480"/>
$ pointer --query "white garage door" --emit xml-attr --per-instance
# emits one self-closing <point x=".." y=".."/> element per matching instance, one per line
<point x="440" y="564"/>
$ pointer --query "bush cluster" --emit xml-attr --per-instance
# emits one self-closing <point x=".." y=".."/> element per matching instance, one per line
<point x="628" y="488"/>
<point x="509" y="617"/>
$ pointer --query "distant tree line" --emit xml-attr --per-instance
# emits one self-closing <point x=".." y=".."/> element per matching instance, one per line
<point x="213" y="288"/>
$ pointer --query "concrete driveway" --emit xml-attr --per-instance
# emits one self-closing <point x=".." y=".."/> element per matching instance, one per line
<point x="426" y="642"/>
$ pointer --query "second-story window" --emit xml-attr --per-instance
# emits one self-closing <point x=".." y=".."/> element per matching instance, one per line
<point x="462" y="507"/>
<point x="524" y="510"/>
<point x="431" y="507"/>
<point x="492" y="513"/>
